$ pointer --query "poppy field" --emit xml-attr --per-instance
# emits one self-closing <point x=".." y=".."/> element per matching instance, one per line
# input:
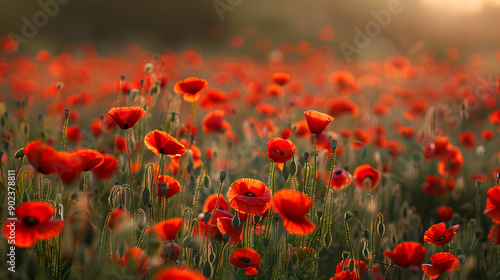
<point x="302" y="165"/>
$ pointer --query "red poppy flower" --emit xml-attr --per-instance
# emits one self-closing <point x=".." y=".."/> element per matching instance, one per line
<point x="74" y="133"/>
<point x="225" y="226"/>
<point x="293" y="207"/>
<point x="41" y="157"/>
<point x="246" y="258"/>
<point x="249" y="196"/>
<point x="190" y="88"/>
<point x="34" y="222"/>
<point x="301" y="129"/>
<point x="280" y="78"/>
<point x="494" y="235"/>
<point x="342" y="106"/>
<point x="211" y="200"/>
<point x="492" y="209"/>
<point x="361" y="139"/>
<point x="438" y="235"/>
<point x="277" y="148"/>
<point x="160" y="142"/>
<point x="166" y="230"/>
<point x="434" y="185"/>
<point x="204" y="226"/>
<point x="67" y="167"/>
<point x="274" y="90"/>
<point x="344" y="81"/>
<point x="340" y="179"/>
<point x="366" y="177"/>
<point x="494" y="118"/>
<point x="135" y="256"/>
<point x="214" y="122"/>
<point x="452" y="163"/>
<point x="361" y="265"/>
<point x="96" y="126"/>
<point x="415" y="109"/>
<point x="317" y="121"/>
<point x="408" y="255"/>
<point x="441" y="262"/>
<point x="345" y="275"/>
<point x="487" y="135"/>
<point x="107" y="169"/>
<point x="126" y="117"/>
<point x="439" y="148"/>
<point x="468" y="140"/>
<point x="380" y="109"/>
<point x="170" y="251"/>
<point x="444" y="213"/>
<point x="173" y="186"/>
<point x="118" y="218"/>
<point x="120" y="143"/>
<point x="88" y="159"/>
<point x="406" y="132"/>
<point x="176" y="273"/>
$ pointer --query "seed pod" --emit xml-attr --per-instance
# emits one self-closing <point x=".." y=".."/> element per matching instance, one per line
<point x="222" y="176"/>
<point x="333" y="144"/>
<point x="207" y="216"/>
<point x="66" y="112"/>
<point x="306" y="156"/>
<point x="319" y="213"/>
<point x="266" y="242"/>
<point x="236" y="222"/>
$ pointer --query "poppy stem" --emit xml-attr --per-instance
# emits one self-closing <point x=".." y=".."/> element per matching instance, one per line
<point x="84" y="181"/>
<point x="193" y="115"/>
<point x="156" y="183"/>
<point x="213" y="215"/>
<point x="129" y="157"/>
<point x="63" y="136"/>
<point x="313" y="187"/>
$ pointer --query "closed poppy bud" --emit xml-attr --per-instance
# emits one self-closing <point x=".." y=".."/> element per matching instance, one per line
<point x="444" y="213"/>
<point x="164" y="188"/>
<point x="18" y="154"/>
<point x="223" y="175"/>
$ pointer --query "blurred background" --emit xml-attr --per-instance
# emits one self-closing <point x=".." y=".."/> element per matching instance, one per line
<point x="470" y="26"/>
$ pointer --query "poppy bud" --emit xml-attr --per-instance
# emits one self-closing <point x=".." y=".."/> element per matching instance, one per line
<point x="348" y="215"/>
<point x="319" y="213"/>
<point x="206" y="181"/>
<point x="18" y="154"/>
<point x="146" y="197"/>
<point x="222" y="176"/>
<point x="206" y="216"/>
<point x="225" y="238"/>
<point x="327" y="239"/>
<point x="333" y="144"/>
<point x="381" y="229"/>
<point x="345" y="255"/>
<point x="164" y="188"/>
<point x="293" y="168"/>
<point x="66" y="112"/>
<point x="266" y="242"/>
<point x="286" y="173"/>
<point x="306" y="156"/>
<point x="236" y="222"/>
<point x="212" y="257"/>
<point x="207" y="269"/>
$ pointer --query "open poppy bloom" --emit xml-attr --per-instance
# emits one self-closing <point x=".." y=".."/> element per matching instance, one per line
<point x="441" y="262"/>
<point x="126" y="117"/>
<point x="451" y="164"/>
<point x="190" y="88"/>
<point x="468" y="140"/>
<point x="434" y="185"/>
<point x="205" y="226"/>
<point x="340" y="179"/>
<point x="160" y="142"/>
<point x="344" y="266"/>
<point x="88" y="159"/>
<point x="408" y="255"/>
<point x="166" y="230"/>
<point x="107" y="169"/>
<point x="246" y="258"/>
<point x="494" y="118"/>
<point x="118" y="218"/>
<point x="361" y="139"/>
<point x="41" y="157"/>
<point x="280" y="78"/>
<point x="317" y="121"/>
<point x="249" y="196"/>
<point x="173" y="186"/>
<point x="214" y="122"/>
<point x="492" y="209"/>
<point x="34" y="222"/>
<point x="439" y="148"/>
<point x="135" y="256"/>
<point x="438" y="235"/>
<point x="280" y="150"/>
<point x="366" y="177"/>
<point x="174" y="273"/>
<point x="211" y="200"/>
<point x="67" y="167"/>
<point x="293" y="207"/>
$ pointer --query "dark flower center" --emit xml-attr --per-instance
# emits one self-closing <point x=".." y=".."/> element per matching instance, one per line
<point x="279" y="152"/>
<point x="338" y="172"/>
<point x="125" y="126"/>
<point x="441" y="238"/>
<point x="246" y="260"/>
<point x="30" y="221"/>
<point x="250" y="194"/>
<point x="161" y="150"/>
